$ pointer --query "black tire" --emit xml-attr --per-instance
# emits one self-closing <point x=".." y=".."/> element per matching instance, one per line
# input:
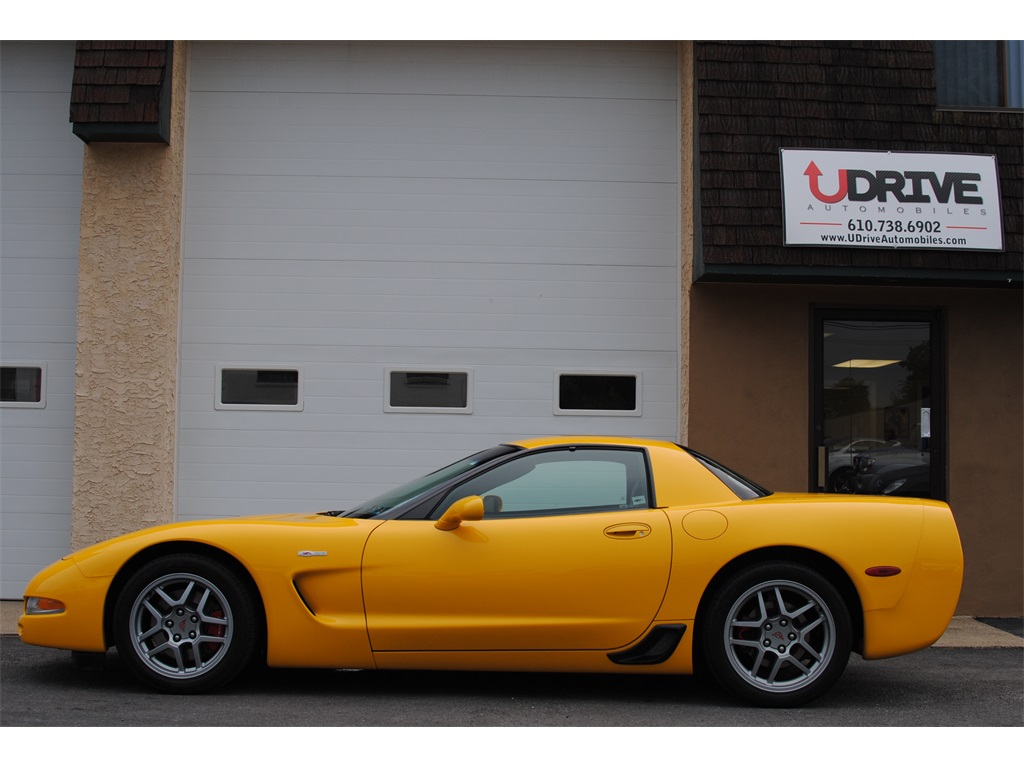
<point x="185" y="624"/>
<point x="778" y="634"/>
<point x="841" y="480"/>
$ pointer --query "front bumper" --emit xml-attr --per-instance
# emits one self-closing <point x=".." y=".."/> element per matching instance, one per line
<point x="80" y="626"/>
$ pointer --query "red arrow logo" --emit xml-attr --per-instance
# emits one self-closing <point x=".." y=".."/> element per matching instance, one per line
<point x="813" y="175"/>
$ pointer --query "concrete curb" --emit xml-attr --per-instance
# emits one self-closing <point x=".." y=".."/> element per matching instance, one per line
<point x="963" y="631"/>
<point x="966" y="632"/>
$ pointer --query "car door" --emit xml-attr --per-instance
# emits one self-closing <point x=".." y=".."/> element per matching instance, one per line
<point x="571" y="554"/>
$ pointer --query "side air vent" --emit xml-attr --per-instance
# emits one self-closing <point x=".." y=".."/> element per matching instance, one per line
<point x="656" y="648"/>
<point x="302" y="597"/>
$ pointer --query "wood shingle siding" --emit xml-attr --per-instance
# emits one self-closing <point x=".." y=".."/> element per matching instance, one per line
<point x="121" y="90"/>
<point x="754" y="98"/>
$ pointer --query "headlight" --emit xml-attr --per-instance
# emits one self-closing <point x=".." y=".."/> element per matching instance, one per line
<point x="894" y="486"/>
<point x="38" y="606"/>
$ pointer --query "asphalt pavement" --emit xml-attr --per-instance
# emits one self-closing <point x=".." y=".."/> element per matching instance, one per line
<point x="974" y="676"/>
<point x="937" y="688"/>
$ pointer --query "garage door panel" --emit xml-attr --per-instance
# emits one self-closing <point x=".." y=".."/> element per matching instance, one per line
<point x="334" y="277"/>
<point x="40" y="194"/>
<point x="438" y="318"/>
<point x="457" y="133"/>
<point x="302" y="255"/>
<point x="27" y="124"/>
<point x="297" y="126"/>
<point x="371" y="314"/>
<point x="651" y="301"/>
<point x="402" y="234"/>
<point x="331" y="363"/>
<point x="510" y="210"/>
<point x="35" y="67"/>
<point x="285" y="192"/>
<point x="371" y="444"/>
<point x="425" y="167"/>
<point x="423" y="226"/>
<point x="21" y="204"/>
<point x="417" y="430"/>
<point x="526" y="78"/>
<point x="40" y="513"/>
<point x="530" y="69"/>
<point x="457" y="142"/>
<point x="552" y="211"/>
<point x="462" y="338"/>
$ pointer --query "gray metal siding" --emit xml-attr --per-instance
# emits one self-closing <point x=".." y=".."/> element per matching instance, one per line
<point x="509" y="208"/>
<point x="40" y="207"/>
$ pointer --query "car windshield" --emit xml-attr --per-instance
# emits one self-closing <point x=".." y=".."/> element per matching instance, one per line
<point x="378" y="505"/>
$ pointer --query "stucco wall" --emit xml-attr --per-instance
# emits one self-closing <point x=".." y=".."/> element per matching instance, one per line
<point x="687" y="225"/>
<point x="127" y="345"/>
<point x="750" y="385"/>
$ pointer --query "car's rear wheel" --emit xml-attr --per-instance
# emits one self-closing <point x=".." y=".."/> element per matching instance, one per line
<point x="185" y="624"/>
<point x="778" y="634"/>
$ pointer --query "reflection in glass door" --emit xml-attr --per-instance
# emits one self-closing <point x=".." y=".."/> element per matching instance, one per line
<point x="878" y="420"/>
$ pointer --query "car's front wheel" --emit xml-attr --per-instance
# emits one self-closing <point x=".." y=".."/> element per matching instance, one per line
<point x="185" y="624"/>
<point x="778" y="634"/>
<point x="841" y="481"/>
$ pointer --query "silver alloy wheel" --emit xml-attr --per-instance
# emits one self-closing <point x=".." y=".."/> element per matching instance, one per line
<point x="181" y="625"/>
<point x="779" y="636"/>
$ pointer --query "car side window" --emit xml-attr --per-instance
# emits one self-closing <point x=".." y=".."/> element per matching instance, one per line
<point x="561" y="482"/>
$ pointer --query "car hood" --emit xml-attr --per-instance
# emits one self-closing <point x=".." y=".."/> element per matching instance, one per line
<point x="196" y="529"/>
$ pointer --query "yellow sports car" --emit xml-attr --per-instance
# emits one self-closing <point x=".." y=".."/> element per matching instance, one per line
<point x="580" y="554"/>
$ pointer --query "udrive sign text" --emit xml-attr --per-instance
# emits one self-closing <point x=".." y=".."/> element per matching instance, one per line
<point x="847" y="199"/>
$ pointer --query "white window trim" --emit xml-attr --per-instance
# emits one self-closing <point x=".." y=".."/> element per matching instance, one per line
<point x="388" y="408"/>
<point x="218" y="381"/>
<point x="42" y="386"/>
<point x="638" y="411"/>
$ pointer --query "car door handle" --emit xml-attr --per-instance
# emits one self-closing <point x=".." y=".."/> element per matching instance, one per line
<point x="627" y="531"/>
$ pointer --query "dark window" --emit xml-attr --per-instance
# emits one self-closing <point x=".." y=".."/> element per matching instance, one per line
<point x="254" y="387"/>
<point x="741" y="486"/>
<point x="21" y="384"/>
<point x="428" y="390"/>
<point x="979" y="73"/>
<point x="600" y="392"/>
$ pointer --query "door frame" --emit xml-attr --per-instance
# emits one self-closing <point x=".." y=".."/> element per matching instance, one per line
<point x="935" y="317"/>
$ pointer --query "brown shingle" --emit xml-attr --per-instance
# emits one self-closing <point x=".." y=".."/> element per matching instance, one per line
<point x="128" y="73"/>
<point x="874" y="95"/>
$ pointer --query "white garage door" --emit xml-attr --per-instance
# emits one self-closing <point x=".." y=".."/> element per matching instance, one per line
<point x="396" y="254"/>
<point x="40" y="207"/>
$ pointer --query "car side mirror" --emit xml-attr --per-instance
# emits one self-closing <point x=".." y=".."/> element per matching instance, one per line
<point x="469" y="508"/>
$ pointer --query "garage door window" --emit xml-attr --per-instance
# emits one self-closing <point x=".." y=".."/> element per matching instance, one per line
<point x="597" y="393"/>
<point x="263" y="388"/>
<point x="23" y="386"/>
<point x="428" y="391"/>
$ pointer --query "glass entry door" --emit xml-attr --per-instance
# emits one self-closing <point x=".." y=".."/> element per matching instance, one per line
<point x="878" y="418"/>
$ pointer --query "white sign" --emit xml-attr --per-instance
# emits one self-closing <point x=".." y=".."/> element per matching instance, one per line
<point x="891" y="200"/>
